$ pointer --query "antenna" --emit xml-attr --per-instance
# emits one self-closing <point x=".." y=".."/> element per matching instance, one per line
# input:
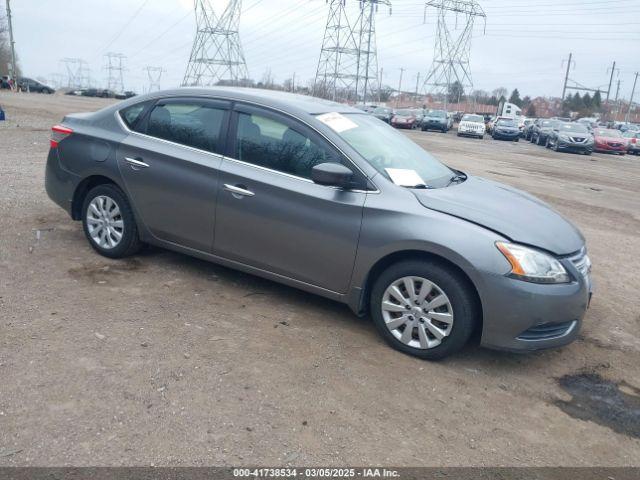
<point x="216" y="56"/>
<point x="348" y="63"/>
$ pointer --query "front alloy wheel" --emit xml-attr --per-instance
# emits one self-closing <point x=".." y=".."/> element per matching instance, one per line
<point x="414" y="303"/>
<point x="417" y="312"/>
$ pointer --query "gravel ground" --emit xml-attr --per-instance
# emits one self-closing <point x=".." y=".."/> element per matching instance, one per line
<point x="163" y="359"/>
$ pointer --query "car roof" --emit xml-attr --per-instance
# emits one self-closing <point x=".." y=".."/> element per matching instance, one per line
<point x="285" y="101"/>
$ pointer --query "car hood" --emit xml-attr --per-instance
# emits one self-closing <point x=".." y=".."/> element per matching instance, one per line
<point x="515" y="214"/>
<point x="611" y="139"/>
<point x="506" y="127"/>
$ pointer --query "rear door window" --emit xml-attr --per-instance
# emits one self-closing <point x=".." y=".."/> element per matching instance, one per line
<point x="192" y="123"/>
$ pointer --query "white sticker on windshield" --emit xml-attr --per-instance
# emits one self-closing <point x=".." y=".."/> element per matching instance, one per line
<point x="337" y="122"/>
<point x="404" y="177"/>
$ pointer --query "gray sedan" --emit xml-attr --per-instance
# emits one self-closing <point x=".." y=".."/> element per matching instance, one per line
<point x="323" y="197"/>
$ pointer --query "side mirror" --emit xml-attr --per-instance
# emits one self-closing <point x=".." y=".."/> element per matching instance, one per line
<point x="331" y="174"/>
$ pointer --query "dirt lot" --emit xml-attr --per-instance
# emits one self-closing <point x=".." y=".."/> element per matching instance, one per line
<point x="167" y="360"/>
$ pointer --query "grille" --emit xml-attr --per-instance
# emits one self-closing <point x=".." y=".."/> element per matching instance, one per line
<point x="582" y="262"/>
<point x="547" y="331"/>
<point x="578" y="139"/>
<point x="615" y="144"/>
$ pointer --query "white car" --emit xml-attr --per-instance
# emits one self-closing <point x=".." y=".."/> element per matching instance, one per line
<point x="471" y="125"/>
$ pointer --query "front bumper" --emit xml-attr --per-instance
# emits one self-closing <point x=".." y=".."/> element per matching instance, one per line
<point x="434" y="126"/>
<point x="470" y="132"/>
<point x="575" y="147"/>
<point x="609" y="148"/>
<point x="523" y="316"/>
<point x="507" y="135"/>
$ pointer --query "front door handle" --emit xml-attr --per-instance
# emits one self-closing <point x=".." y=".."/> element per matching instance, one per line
<point x="136" y="163"/>
<point x="238" y="191"/>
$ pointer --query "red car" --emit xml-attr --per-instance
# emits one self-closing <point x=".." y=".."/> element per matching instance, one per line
<point x="609" y="140"/>
<point x="404" y="118"/>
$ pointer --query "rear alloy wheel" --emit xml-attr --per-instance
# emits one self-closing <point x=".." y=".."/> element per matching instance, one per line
<point x="108" y="222"/>
<point x="423" y="309"/>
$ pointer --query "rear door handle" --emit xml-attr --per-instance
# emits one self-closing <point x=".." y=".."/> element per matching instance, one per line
<point x="136" y="163"/>
<point x="238" y="191"/>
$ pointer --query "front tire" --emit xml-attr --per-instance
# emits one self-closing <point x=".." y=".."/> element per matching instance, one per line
<point x="423" y="308"/>
<point x="109" y="223"/>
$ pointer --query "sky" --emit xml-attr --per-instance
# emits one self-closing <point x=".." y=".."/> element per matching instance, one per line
<point x="523" y="45"/>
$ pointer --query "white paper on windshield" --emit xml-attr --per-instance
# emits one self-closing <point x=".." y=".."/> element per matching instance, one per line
<point x="337" y="122"/>
<point x="404" y="177"/>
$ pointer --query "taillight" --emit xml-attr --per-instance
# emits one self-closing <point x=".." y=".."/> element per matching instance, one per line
<point x="59" y="133"/>
<point x="634" y="140"/>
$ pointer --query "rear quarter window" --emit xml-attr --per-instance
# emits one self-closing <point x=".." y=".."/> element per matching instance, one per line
<point x="131" y="114"/>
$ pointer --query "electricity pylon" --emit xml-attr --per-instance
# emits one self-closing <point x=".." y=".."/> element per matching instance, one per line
<point x="348" y="64"/>
<point x="216" y="55"/>
<point x="77" y="72"/>
<point x="453" y="44"/>
<point x="154" y="74"/>
<point x="114" y="65"/>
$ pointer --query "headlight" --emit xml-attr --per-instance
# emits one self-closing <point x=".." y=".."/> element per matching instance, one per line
<point x="565" y="137"/>
<point x="532" y="265"/>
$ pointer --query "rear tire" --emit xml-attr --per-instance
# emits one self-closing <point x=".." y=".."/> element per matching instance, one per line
<point x="109" y="223"/>
<point x="461" y="306"/>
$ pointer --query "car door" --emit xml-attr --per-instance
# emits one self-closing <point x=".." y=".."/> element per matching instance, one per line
<point x="170" y="164"/>
<point x="271" y="216"/>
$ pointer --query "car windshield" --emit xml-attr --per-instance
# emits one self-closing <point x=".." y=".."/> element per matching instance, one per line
<point x="382" y="110"/>
<point x="506" y="122"/>
<point x="607" y="132"/>
<point x="437" y="114"/>
<point x="385" y="148"/>
<point x="472" y="118"/>
<point x="404" y="113"/>
<point x="573" y="127"/>
<point x="547" y="123"/>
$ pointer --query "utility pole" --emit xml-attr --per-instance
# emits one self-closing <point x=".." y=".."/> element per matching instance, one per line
<point x="14" y="67"/>
<point x="399" y="86"/>
<point x="380" y="85"/>
<point x="566" y="77"/>
<point x="417" y="83"/>
<point x="633" y="91"/>
<point x="613" y="69"/>
<point x="617" y="102"/>
<point x="293" y="82"/>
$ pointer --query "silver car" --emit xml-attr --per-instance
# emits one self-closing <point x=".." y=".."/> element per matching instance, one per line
<point x="328" y="199"/>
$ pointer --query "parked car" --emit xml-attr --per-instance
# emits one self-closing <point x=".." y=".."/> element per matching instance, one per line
<point x="471" y="125"/>
<point x="124" y="95"/>
<point x="506" y="129"/>
<point x="419" y="113"/>
<point x="383" y="113"/>
<point x="4" y="82"/>
<point x="573" y="137"/>
<point x="435" y="120"/>
<point x="404" y="118"/>
<point x="449" y="120"/>
<point x="633" y="139"/>
<point x="528" y="129"/>
<point x="609" y="140"/>
<point x="319" y="195"/>
<point x="525" y="125"/>
<point x="26" y="84"/>
<point x="541" y="129"/>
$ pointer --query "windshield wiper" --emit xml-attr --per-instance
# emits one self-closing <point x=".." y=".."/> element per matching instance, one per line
<point x="458" y="177"/>
<point x="421" y="186"/>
